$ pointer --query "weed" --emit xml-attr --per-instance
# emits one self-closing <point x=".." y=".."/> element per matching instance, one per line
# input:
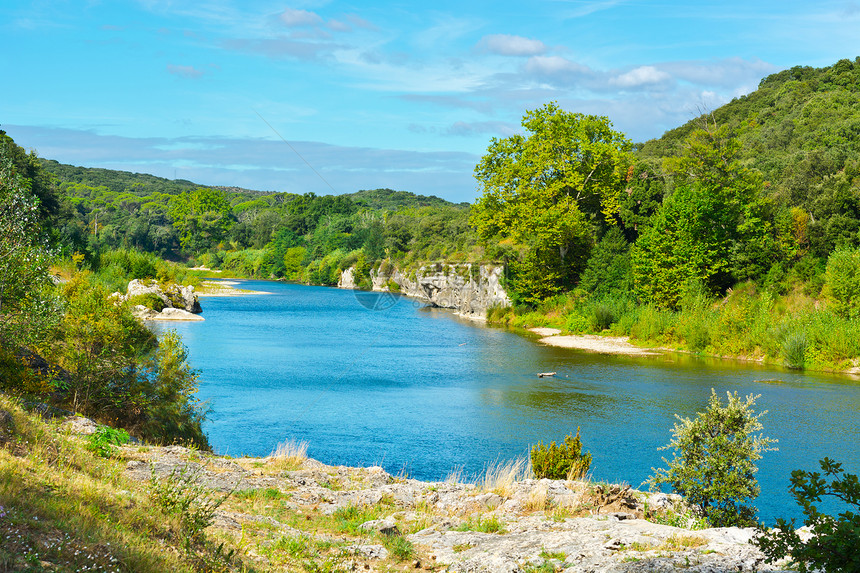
<point x="500" y="477"/>
<point x="181" y="494"/>
<point x="102" y="440"/>
<point x="289" y="455"/>
<point x="560" y="555"/>
<point x="491" y="524"/>
<point x="400" y="548"/>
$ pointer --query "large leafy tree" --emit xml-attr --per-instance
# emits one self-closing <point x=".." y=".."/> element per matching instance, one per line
<point x="547" y="189"/>
<point x="28" y="302"/>
<point x="202" y="217"/>
<point x="716" y="228"/>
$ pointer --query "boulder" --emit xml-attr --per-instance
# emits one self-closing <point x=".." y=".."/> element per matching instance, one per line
<point x="180" y="302"/>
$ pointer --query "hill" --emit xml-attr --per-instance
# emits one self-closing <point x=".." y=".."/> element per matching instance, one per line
<point x="801" y="130"/>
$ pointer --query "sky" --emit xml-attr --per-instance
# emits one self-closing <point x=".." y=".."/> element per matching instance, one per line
<point x="333" y="97"/>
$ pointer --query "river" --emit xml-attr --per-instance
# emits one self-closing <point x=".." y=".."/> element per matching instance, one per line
<point x="374" y="379"/>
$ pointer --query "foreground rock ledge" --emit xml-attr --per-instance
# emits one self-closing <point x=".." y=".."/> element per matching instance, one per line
<point x="567" y="526"/>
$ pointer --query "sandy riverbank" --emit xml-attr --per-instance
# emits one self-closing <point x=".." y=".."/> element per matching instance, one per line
<point x="224" y="288"/>
<point x="592" y="343"/>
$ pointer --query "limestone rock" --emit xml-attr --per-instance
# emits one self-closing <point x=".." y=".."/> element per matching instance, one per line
<point x="180" y="302"/>
<point x="79" y="425"/>
<point x="468" y="288"/>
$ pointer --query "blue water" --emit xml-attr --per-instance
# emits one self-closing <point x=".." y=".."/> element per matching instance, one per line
<point x="421" y="392"/>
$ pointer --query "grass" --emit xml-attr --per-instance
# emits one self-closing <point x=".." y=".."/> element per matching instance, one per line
<point x="794" y="328"/>
<point x="289" y="455"/>
<point x="489" y="524"/>
<point x="500" y="477"/>
<point x="71" y="508"/>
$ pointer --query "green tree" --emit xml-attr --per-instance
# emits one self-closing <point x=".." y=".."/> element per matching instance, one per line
<point x="172" y="411"/>
<point x="549" y="188"/>
<point x="100" y="342"/>
<point x="715" y="228"/>
<point x="713" y="465"/>
<point x="28" y="168"/>
<point x="201" y="217"/>
<point x="843" y="282"/>
<point x="835" y="540"/>
<point x="28" y="302"/>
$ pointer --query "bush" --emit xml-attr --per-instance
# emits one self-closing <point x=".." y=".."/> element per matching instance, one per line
<point x="714" y="462"/>
<point x="604" y="316"/>
<point x="149" y="300"/>
<point x="843" y="282"/>
<point x="560" y="462"/>
<point x="104" y="437"/>
<point x="835" y="541"/>
<point x="794" y="350"/>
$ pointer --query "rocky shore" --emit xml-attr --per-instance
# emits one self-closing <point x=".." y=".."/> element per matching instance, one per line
<point x="350" y="516"/>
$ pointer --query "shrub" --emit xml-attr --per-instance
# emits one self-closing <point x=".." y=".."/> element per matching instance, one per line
<point x="835" y="541"/>
<point x="604" y="316"/>
<point x="183" y="495"/>
<point x="794" y="350"/>
<point x="560" y="462"/>
<point x="842" y="279"/>
<point x="104" y="437"/>
<point x="149" y="300"/>
<point x="714" y="462"/>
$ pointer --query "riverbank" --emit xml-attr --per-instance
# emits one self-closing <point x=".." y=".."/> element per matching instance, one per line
<point x="286" y="512"/>
<point x="210" y="288"/>
<point x="592" y="343"/>
<point x="793" y="330"/>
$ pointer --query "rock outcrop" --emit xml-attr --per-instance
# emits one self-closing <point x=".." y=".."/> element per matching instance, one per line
<point x="510" y="526"/>
<point x="178" y="302"/>
<point x="468" y="288"/>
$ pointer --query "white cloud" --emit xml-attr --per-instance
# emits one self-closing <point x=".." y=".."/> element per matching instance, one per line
<point x="641" y="76"/>
<point x="507" y="45"/>
<point x="549" y="65"/>
<point x="295" y="18"/>
<point x="469" y="129"/>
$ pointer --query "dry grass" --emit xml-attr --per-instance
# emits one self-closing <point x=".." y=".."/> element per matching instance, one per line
<point x="538" y="500"/>
<point x="455" y="476"/>
<point x="684" y="542"/>
<point x="500" y="477"/>
<point x="289" y="454"/>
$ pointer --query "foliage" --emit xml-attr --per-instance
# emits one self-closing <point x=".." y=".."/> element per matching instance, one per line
<point x="834" y="542"/>
<point x="28" y="303"/>
<point x="608" y="268"/>
<point x="201" y="216"/>
<point x="104" y="437"/>
<point x="99" y="342"/>
<point x="490" y="524"/>
<point x="171" y="410"/>
<point x="545" y="189"/>
<point x="713" y="464"/>
<point x="565" y="461"/>
<point x="714" y="228"/>
<point x="400" y="548"/>
<point x="181" y="494"/>
<point x="843" y="282"/>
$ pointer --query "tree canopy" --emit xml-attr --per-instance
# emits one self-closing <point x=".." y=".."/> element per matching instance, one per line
<point x="548" y="189"/>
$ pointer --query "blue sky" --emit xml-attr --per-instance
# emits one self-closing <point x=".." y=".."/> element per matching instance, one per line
<point x="384" y="94"/>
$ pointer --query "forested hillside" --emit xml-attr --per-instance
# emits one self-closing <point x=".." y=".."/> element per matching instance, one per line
<point x="251" y="233"/>
<point x="736" y="234"/>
